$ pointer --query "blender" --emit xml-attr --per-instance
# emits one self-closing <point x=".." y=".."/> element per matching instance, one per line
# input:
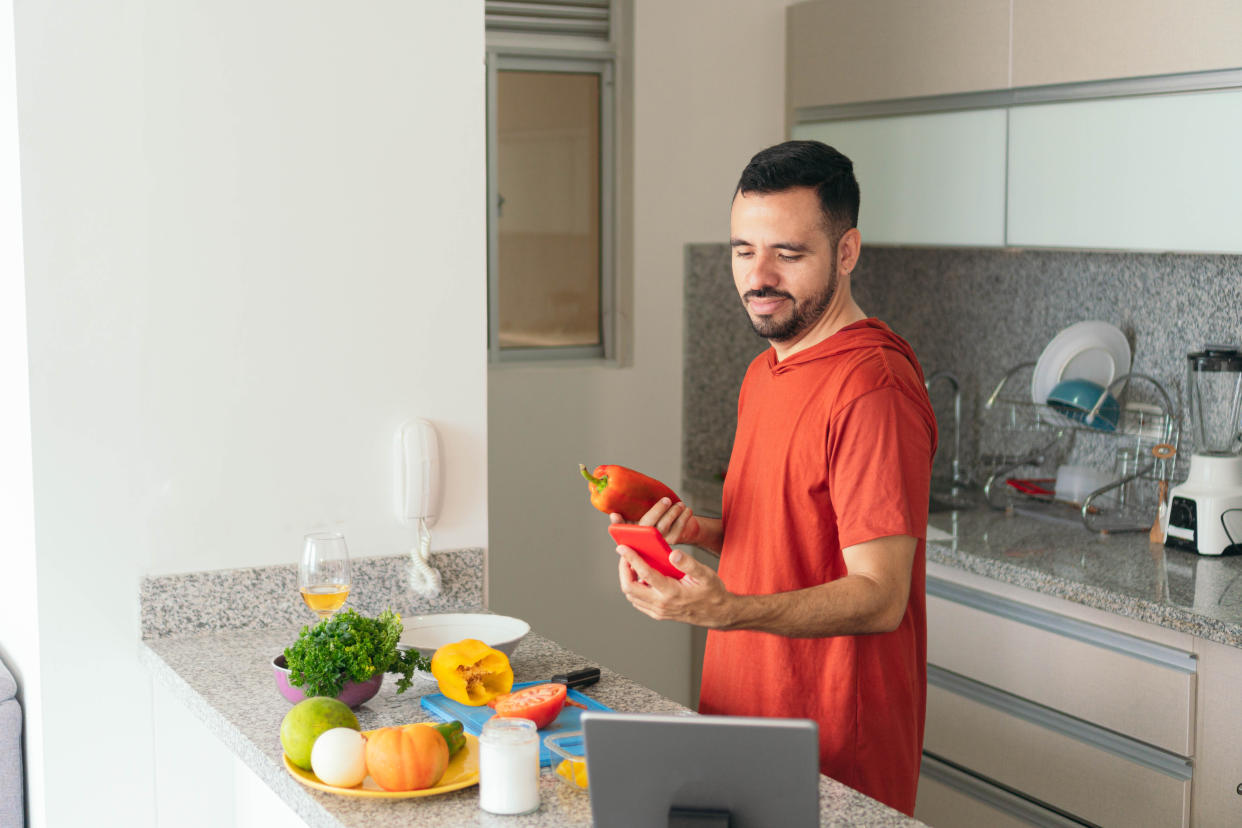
<point x="1205" y="512"/>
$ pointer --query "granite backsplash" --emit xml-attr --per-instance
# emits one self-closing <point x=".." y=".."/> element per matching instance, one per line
<point x="254" y="598"/>
<point x="976" y="313"/>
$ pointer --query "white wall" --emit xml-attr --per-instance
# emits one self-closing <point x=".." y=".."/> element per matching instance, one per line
<point x="708" y="86"/>
<point x="254" y="243"/>
<point x="19" y="638"/>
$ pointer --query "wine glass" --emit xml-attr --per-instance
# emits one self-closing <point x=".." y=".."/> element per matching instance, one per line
<point x="323" y="572"/>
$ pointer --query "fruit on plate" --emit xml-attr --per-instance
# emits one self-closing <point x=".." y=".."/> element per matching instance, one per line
<point x="408" y="758"/>
<point x="470" y="672"/>
<point x="306" y="720"/>
<point x="574" y="771"/>
<point x="339" y="757"/>
<point x="540" y="703"/>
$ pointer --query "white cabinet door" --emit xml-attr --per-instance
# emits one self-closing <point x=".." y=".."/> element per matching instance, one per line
<point x="1158" y="172"/>
<point x="934" y="179"/>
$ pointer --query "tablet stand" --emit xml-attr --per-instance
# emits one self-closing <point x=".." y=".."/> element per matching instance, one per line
<point x="682" y="817"/>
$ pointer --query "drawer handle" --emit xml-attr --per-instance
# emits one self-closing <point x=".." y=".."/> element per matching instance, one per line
<point x="1162" y="761"/>
<point x="1118" y="642"/>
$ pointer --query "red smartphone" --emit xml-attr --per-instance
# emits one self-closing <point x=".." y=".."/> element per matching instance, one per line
<point x="649" y="543"/>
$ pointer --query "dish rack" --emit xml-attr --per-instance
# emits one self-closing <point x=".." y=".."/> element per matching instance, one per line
<point x="1151" y="436"/>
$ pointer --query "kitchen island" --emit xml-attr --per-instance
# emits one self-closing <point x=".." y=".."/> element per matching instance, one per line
<point x="223" y="676"/>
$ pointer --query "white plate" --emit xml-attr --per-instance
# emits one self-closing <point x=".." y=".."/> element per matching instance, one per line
<point x="1091" y="350"/>
<point x="428" y="633"/>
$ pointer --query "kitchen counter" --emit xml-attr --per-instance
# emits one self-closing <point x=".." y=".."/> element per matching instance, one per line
<point x="226" y="680"/>
<point x="1122" y="573"/>
<point x="223" y="675"/>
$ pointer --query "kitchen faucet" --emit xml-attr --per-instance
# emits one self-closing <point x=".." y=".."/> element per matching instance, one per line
<point x="957" y="419"/>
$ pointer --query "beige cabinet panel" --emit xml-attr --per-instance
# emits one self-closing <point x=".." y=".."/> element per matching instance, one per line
<point x="1064" y="673"/>
<point x="940" y="806"/>
<point x="1218" y="766"/>
<point x="949" y="798"/>
<point x="1064" y="41"/>
<point x="1097" y="785"/>
<point x="844" y="51"/>
<point x="1060" y="606"/>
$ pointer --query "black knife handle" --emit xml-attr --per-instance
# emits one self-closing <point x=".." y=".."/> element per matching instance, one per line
<point x="578" y="678"/>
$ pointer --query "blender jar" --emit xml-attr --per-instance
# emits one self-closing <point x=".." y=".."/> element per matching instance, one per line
<point x="1214" y="385"/>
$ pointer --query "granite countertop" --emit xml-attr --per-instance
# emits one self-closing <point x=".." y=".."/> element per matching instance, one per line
<point x="210" y="637"/>
<point x="225" y="678"/>
<point x="1122" y="573"/>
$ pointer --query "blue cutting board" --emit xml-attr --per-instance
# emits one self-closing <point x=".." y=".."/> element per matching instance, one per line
<point x="472" y="718"/>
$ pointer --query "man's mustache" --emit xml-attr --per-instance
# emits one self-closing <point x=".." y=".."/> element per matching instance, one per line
<point x="767" y="293"/>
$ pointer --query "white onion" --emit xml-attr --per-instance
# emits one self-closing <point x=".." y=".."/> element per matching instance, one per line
<point x="339" y="757"/>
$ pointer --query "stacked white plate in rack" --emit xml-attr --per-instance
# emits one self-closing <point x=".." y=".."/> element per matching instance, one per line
<point x="1091" y="350"/>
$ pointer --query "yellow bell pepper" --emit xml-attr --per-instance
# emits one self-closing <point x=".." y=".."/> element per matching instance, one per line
<point x="471" y="672"/>
<point x="574" y="771"/>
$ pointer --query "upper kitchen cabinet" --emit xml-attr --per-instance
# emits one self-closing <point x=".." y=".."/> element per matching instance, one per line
<point x="1106" y="124"/>
<point x="844" y="51"/>
<point x="1069" y="41"/>
<point x="848" y="52"/>
<point x="1158" y="172"/>
<point x="925" y="179"/>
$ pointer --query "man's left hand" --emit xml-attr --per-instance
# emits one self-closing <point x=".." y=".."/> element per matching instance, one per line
<point x="699" y="598"/>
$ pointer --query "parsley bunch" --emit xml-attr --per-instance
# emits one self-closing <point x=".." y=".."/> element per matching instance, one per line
<point x="350" y="647"/>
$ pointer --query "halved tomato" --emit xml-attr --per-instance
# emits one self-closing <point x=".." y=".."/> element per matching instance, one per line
<point x="540" y="703"/>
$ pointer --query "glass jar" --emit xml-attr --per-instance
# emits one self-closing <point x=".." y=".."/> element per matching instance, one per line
<point x="509" y="766"/>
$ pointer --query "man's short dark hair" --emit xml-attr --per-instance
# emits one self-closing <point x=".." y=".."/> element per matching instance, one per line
<point x="807" y="164"/>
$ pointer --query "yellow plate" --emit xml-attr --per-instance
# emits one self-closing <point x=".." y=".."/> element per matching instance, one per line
<point x="462" y="772"/>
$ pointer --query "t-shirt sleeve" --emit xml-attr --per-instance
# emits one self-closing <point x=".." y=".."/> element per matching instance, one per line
<point x="879" y="467"/>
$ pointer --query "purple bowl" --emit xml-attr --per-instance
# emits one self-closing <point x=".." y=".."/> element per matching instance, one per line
<point x="353" y="693"/>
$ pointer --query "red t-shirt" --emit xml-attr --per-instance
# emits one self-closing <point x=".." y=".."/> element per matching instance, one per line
<point x="833" y="448"/>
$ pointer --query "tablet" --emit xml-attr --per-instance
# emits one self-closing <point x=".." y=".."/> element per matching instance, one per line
<point x="649" y="543"/>
<point x="666" y="769"/>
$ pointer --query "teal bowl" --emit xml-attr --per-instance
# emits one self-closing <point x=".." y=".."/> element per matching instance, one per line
<point x="1077" y="397"/>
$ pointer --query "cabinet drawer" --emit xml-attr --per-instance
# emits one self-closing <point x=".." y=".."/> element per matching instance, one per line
<point x="1086" y="771"/>
<point x="1120" y="682"/>
<point x="951" y="798"/>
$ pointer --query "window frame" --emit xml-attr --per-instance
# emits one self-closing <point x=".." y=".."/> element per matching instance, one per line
<point x="500" y="58"/>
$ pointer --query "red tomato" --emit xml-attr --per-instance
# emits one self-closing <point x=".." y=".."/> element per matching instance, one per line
<point x="540" y="704"/>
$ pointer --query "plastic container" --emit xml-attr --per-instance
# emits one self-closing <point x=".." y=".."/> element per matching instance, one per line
<point x="570" y="762"/>
<point x="1074" y="483"/>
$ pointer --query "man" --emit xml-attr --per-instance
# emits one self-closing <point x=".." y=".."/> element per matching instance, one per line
<point x="817" y="609"/>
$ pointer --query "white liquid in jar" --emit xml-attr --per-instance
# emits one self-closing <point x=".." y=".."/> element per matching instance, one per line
<point x="509" y="766"/>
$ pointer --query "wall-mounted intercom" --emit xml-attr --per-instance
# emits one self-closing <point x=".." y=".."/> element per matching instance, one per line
<point x="419" y="496"/>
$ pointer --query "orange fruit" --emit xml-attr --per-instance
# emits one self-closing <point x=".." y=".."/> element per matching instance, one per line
<point x="408" y="758"/>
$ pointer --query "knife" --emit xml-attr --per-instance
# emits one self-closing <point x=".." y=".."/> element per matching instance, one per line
<point x="578" y="678"/>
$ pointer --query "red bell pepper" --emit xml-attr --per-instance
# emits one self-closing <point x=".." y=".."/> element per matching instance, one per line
<point x="624" y="491"/>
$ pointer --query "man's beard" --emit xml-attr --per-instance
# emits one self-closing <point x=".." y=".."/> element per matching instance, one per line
<point x="804" y="314"/>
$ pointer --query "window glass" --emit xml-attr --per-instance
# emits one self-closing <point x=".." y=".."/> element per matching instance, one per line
<point x="548" y="209"/>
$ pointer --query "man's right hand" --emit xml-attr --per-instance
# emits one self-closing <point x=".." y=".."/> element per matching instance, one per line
<point x="678" y="524"/>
